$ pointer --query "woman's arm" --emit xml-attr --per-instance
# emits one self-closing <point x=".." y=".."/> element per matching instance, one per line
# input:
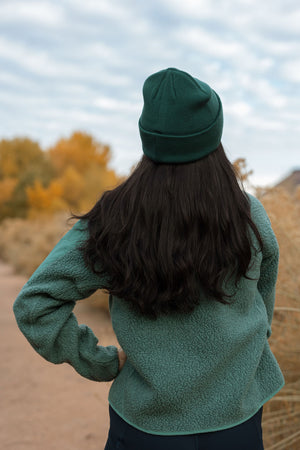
<point x="270" y="259"/>
<point x="267" y="283"/>
<point x="43" y="310"/>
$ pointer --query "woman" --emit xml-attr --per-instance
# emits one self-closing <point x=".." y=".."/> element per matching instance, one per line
<point x="190" y="261"/>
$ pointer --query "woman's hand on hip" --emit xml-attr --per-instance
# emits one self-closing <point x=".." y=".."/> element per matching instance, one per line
<point x="122" y="358"/>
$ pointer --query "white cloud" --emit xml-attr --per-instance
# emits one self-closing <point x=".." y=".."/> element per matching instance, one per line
<point x="42" y="63"/>
<point x="250" y="15"/>
<point x="111" y="104"/>
<point x="97" y="49"/>
<point x="35" y="12"/>
<point x="265" y="124"/>
<point x="261" y="90"/>
<point x="120" y="13"/>
<point x="283" y="21"/>
<point x="238" y="109"/>
<point x="290" y="70"/>
<point x="273" y="46"/>
<point x="190" y="8"/>
<point x="208" y="43"/>
<point x="36" y="61"/>
<point x="13" y="80"/>
<point x="104" y="8"/>
<point x="265" y="180"/>
<point x="71" y="64"/>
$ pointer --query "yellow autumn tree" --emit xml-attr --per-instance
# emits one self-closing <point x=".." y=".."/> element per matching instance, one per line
<point x="22" y="161"/>
<point x="96" y="181"/>
<point x="72" y="186"/>
<point x="79" y="151"/>
<point x="81" y="165"/>
<point x="17" y="154"/>
<point x="70" y="175"/>
<point x="43" y="200"/>
<point x="7" y="186"/>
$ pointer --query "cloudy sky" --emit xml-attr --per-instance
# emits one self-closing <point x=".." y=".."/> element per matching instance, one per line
<point x="70" y="65"/>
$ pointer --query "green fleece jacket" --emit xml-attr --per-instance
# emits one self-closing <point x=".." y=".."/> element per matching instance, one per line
<point x="206" y="371"/>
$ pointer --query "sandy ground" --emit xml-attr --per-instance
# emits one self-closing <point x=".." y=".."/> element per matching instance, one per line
<point x="43" y="405"/>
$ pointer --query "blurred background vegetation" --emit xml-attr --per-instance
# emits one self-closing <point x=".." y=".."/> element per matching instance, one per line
<point x="40" y="188"/>
<point x="69" y="175"/>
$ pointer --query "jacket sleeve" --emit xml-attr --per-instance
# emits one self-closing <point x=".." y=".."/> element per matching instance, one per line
<point x="267" y="284"/>
<point x="270" y="259"/>
<point x="43" y="311"/>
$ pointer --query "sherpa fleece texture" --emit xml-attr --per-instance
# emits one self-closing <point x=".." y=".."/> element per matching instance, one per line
<point x="205" y="371"/>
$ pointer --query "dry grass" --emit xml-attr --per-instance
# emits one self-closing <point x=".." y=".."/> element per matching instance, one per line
<point x="25" y="243"/>
<point x="281" y="417"/>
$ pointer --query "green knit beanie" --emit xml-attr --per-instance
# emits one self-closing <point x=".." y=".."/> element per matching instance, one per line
<point x="182" y="117"/>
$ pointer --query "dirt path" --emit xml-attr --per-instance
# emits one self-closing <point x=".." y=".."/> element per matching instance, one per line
<point x="46" y="406"/>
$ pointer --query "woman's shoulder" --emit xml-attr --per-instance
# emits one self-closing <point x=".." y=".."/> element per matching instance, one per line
<point x="262" y="221"/>
<point x="258" y="213"/>
<point x="256" y="205"/>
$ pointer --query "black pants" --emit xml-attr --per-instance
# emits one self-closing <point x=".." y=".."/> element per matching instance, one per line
<point x="245" y="436"/>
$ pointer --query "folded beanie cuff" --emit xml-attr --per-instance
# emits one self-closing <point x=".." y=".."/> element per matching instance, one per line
<point x="166" y="148"/>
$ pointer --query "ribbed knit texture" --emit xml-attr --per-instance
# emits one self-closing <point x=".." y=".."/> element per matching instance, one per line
<point x="206" y="371"/>
<point x="182" y="117"/>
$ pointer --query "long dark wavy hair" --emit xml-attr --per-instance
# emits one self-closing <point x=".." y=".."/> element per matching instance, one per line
<point x="168" y="230"/>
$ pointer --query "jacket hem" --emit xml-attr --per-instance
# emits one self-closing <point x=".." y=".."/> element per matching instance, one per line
<point x="162" y="433"/>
